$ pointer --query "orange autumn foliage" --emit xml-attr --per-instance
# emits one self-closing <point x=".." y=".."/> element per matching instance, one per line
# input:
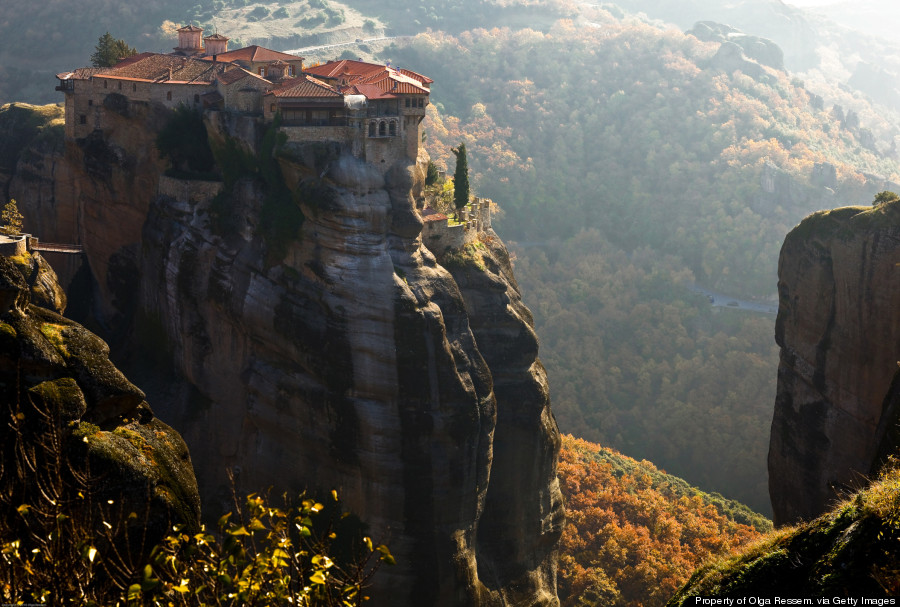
<point x="634" y="534"/>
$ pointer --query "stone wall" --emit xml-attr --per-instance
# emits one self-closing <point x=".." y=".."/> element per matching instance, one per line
<point x="189" y="190"/>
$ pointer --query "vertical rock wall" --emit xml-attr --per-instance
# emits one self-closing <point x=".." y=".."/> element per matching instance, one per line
<point x="347" y="357"/>
<point x="839" y="331"/>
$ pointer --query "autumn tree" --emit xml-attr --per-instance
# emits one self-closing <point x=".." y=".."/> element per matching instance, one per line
<point x="110" y="50"/>
<point x="461" y="178"/>
<point x="885" y="197"/>
<point x="11" y="219"/>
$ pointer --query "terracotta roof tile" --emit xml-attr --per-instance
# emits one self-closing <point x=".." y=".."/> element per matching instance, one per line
<point x="416" y="76"/>
<point x="190" y="28"/>
<point x="216" y="36"/>
<point x="305" y="86"/>
<point x="254" y="53"/>
<point x="238" y="73"/>
<point x="388" y="80"/>
<point x="155" y="67"/>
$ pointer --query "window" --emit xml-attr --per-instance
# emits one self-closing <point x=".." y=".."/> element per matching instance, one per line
<point x="120" y="86"/>
<point x="105" y="83"/>
<point x="371" y="129"/>
<point x="82" y="119"/>
<point x="168" y="95"/>
<point x="290" y="70"/>
<point x="382" y="129"/>
<point x="393" y="129"/>
<point x="196" y="98"/>
<point x="134" y="88"/>
<point x="262" y="71"/>
<point x="407" y="102"/>
<point x="421" y="102"/>
<point x="90" y="102"/>
<point x="272" y="108"/>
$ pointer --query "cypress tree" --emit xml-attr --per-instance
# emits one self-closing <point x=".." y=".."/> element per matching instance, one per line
<point x="460" y="177"/>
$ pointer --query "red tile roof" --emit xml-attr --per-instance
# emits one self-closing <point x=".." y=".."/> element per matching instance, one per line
<point x="416" y="76"/>
<point x="238" y="73"/>
<point x="254" y="53"/>
<point x="388" y="80"/>
<point x="216" y="36"/>
<point x="305" y="86"/>
<point x="155" y="67"/>
<point x="190" y="28"/>
<point x="432" y="215"/>
<point x="335" y="69"/>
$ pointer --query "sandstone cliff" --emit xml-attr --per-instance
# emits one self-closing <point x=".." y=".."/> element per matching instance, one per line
<point x="305" y="337"/>
<point x="839" y="330"/>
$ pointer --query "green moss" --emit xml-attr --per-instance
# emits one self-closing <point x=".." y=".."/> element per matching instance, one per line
<point x="83" y="429"/>
<point x="7" y="330"/>
<point x="469" y="257"/>
<point x="55" y="334"/>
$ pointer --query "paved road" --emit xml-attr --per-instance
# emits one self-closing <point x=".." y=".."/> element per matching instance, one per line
<point x="719" y="300"/>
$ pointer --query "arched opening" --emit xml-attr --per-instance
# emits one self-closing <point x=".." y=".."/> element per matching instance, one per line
<point x="371" y="129"/>
<point x="382" y="129"/>
<point x="393" y="128"/>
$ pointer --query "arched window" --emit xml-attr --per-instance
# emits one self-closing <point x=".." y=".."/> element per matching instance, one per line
<point x="134" y="87"/>
<point x="393" y="128"/>
<point x="371" y="129"/>
<point x="382" y="129"/>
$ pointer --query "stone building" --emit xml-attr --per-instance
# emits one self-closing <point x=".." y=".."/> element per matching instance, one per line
<point x="377" y="110"/>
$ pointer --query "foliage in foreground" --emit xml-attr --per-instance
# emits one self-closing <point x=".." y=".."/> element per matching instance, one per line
<point x="60" y="545"/>
<point x="635" y="534"/>
<point x="267" y="555"/>
<point x="850" y="551"/>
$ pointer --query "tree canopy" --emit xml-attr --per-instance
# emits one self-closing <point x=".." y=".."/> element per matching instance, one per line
<point x="109" y="51"/>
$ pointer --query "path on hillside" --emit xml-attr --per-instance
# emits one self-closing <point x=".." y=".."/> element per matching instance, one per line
<point x="307" y="49"/>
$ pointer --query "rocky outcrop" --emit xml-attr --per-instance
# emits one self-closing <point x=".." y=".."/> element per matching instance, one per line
<point x="838" y="330"/>
<point x="301" y="336"/>
<point x="70" y="414"/>
<point x="739" y="50"/>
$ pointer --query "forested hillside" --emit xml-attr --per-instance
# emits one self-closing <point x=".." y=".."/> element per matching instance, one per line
<point x="629" y="166"/>
<point x="634" y="534"/>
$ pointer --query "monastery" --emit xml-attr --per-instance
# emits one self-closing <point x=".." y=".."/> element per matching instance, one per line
<point x="377" y="109"/>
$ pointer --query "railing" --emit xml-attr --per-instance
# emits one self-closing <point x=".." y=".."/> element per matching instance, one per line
<point x="55" y="247"/>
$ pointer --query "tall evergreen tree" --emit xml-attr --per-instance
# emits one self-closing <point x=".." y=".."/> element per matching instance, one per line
<point x="460" y="177"/>
<point x="110" y="50"/>
<point x="11" y="219"/>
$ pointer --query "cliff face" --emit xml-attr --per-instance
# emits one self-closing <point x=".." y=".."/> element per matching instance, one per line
<point x="342" y="355"/>
<point x="839" y="331"/>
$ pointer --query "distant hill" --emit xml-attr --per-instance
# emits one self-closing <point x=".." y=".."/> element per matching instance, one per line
<point x="632" y="161"/>
<point x="634" y="534"/>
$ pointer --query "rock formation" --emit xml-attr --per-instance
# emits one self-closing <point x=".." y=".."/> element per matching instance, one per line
<point x="64" y="401"/>
<point x="839" y="330"/>
<point x="302" y="336"/>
